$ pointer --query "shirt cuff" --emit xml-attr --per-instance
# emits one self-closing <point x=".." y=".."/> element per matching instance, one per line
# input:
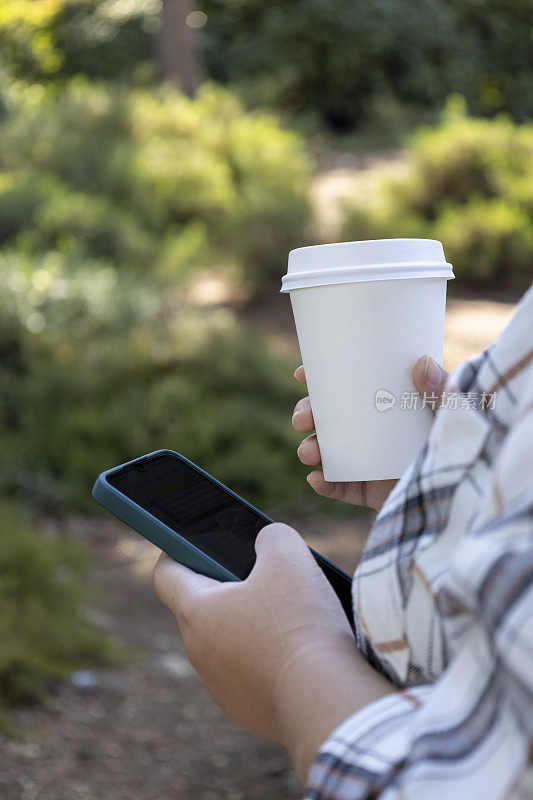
<point x="358" y="760"/>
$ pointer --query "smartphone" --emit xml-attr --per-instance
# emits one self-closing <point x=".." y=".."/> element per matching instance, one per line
<point x="194" y="518"/>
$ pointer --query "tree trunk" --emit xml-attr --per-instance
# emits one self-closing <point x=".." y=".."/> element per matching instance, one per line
<point x="178" y="55"/>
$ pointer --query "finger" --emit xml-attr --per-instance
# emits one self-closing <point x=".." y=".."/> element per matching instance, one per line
<point x="430" y="378"/>
<point x="277" y="544"/>
<point x="299" y="374"/>
<point x="178" y="587"/>
<point x="349" y="492"/>
<point x="302" y="418"/>
<point x="371" y="494"/>
<point x="309" y="451"/>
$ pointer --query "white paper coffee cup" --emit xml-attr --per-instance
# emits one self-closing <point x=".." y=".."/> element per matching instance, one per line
<point x="364" y="313"/>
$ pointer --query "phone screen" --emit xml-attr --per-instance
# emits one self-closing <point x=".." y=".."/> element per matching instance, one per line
<point x="195" y="507"/>
<point x="207" y="515"/>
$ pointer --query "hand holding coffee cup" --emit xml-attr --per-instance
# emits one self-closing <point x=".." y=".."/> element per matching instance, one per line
<point x="428" y="377"/>
<point x="364" y="312"/>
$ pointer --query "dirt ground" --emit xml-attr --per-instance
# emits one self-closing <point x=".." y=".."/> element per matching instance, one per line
<point x="147" y="729"/>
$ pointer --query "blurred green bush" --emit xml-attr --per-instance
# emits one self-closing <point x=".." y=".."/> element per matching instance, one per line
<point x="98" y="368"/>
<point x="469" y="183"/>
<point x="338" y="59"/>
<point x="45" y="634"/>
<point x="110" y="200"/>
<point x="52" y="39"/>
<point x="153" y="181"/>
<point x="332" y="61"/>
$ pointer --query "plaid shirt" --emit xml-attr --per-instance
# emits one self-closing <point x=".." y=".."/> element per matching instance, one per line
<point x="443" y="600"/>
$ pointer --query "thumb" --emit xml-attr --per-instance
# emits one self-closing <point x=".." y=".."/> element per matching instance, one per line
<point x="430" y="378"/>
<point x="277" y="545"/>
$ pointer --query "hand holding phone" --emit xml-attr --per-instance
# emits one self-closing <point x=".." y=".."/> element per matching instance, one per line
<point x="194" y="518"/>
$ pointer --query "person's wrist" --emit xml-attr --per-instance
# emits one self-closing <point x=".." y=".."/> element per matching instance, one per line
<point x="303" y="719"/>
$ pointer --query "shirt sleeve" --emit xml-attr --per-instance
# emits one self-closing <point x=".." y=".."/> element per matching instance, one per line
<point x="360" y="758"/>
<point x="469" y="734"/>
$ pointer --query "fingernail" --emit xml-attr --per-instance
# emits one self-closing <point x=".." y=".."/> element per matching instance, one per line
<point x="295" y="371"/>
<point x="432" y="371"/>
<point x="297" y="409"/>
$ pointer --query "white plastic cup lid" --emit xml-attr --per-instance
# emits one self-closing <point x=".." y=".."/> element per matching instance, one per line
<point x="368" y="260"/>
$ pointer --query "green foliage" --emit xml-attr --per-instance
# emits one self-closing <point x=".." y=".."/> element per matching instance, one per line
<point x="468" y="184"/>
<point x="337" y="59"/>
<point x="43" y="631"/>
<point x="464" y="157"/>
<point x="53" y="39"/>
<point x="153" y="181"/>
<point x="110" y="199"/>
<point x="98" y="369"/>
<point x="490" y="241"/>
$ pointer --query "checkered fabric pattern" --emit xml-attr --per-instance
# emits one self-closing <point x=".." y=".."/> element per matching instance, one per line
<point x="443" y="602"/>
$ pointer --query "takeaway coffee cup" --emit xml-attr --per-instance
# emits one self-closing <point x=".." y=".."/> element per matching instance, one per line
<point x="364" y="313"/>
